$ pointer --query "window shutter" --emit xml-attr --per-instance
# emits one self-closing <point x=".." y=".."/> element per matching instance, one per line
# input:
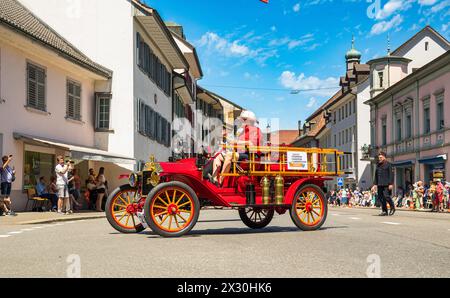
<point x="32" y="86"/>
<point x="41" y="89"/>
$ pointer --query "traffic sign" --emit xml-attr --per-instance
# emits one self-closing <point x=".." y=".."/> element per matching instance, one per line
<point x="340" y="181"/>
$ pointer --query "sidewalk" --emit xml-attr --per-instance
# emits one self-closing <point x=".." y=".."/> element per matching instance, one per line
<point x="27" y="218"/>
<point x="446" y="211"/>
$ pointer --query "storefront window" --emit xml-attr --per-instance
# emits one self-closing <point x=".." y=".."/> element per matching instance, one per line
<point x="37" y="165"/>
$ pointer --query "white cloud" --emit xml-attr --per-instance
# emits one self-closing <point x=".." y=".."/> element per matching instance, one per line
<point x="273" y="28"/>
<point x="427" y="2"/>
<point x="296" y="7"/>
<point x="440" y="6"/>
<point x="384" y="26"/>
<point x="290" y="80"/>
<point x="292" y="43"/>
<point x="392" y="7"/>
<point x="238" y="49"/>
<point x="312" y="103"/>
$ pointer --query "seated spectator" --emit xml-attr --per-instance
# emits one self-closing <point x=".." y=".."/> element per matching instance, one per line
<point x="52" y="191"/>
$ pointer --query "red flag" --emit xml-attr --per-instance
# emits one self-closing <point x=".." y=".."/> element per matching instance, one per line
<point x="265" y="1"/>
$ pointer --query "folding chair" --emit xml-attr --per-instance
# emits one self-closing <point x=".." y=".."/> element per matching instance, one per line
<point x="31" y="194"/>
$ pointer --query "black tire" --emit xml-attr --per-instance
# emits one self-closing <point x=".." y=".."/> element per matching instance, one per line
<point x="293" y="212"/>
<point x="262" y="217"/>
<point x="112" y="219"/>
<point x="151" y="200"/>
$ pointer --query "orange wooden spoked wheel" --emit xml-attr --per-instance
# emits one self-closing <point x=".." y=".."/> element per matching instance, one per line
<point x="172" y="209"/>
<point x="309" y="208"/>
<point x="121" y="209"/>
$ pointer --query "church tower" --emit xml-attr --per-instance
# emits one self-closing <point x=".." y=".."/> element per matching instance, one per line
<point x="353" y="56"/>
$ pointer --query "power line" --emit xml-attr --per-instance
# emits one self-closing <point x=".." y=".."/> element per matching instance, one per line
<point x="293" y="91"/>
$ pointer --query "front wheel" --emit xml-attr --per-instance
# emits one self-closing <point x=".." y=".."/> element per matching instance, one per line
<point x="172" y="209"/>
<point x="256" y="218"/>
<point x="309" y="208"/>
<point x="120" y="210"/>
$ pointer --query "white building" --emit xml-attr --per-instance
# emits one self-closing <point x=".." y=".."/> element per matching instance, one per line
<point x="53" y="98"/>
<point x="131" y="39"/>
<point x="350" y="123"/>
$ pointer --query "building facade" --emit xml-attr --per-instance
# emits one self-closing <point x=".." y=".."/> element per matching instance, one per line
<point x="412" y="126"/>
<point x="53" y="100"/>
<point x="133" y="41"/>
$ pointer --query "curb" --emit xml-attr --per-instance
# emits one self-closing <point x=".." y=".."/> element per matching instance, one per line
<point x="62" y="219"/>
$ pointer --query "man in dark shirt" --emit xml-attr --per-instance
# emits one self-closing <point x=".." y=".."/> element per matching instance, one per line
<point x="384" y="184"/>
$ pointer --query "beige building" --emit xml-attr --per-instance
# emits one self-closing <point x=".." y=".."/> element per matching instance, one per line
<point x="53" y="100"/>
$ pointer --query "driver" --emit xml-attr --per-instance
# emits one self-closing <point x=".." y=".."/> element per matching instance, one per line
<point x="248" y="135"/>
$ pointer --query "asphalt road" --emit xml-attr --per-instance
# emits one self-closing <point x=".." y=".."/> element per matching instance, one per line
<point x="351" y="242"/>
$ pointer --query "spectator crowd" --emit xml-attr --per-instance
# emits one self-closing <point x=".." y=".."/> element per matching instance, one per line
<point x="434" y="197"/>
<point x="63" y="191"/>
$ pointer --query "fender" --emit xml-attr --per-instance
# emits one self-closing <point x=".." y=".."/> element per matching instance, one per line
<point x="289" y="196"/>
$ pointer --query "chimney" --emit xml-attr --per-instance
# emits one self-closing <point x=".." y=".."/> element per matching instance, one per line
<point x="176" y="28"/>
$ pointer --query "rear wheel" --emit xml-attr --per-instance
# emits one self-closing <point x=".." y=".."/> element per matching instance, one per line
<point x="121" y="210"/>
<point x="172" y="209"/>
<point x="256" y="218"/>
<point x="309" y="208"/>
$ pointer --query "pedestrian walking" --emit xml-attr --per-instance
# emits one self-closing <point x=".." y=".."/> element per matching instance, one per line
<point x="384" y="183"/>
<point x="7" y="177"/>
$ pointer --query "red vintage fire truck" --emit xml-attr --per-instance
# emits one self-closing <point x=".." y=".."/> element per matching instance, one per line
<point x="168" y="196"/>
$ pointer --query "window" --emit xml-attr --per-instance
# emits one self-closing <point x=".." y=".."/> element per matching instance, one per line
<point x="335" y="141"/>
<point x="426" y="46"/>
<point x="73" y="100"/>
<point x="384" y="132"/>
<point x="37" y="165"/>
<point x="102" y="111"/>
<point x="334" y="117"/>
<point x="426" y="120"/>
<point x="153" y="125"/>
<point x="380" y="79"/>
<point x="408" y="126"/>
<point x="339" y="111"/>
<point x="354" y="106"/>
<point x="152" y="66"/>
<point x="346" y="110"/>
<point x="36" y="80"/>
<point x="399" y="129"/>
<point x="440" y="115"/>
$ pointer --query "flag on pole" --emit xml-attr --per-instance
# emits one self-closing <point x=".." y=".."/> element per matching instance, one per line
<point x="265" y="1"/>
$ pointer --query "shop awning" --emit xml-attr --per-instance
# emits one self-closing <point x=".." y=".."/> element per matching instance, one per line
<point x="433" y="159"/>
<point x="403" y="163"/>
<point x="76" y="152"/>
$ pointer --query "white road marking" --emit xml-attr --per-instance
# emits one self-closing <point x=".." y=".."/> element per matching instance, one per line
<point x="5" y="236"/>
<point x="390" y="223"/>
<point x="27" y="230"/>
<point x="355" y="218"/>
<point x="335" y="214"/>
<point x="35" y="228"/>
<point x="14" y="233"/>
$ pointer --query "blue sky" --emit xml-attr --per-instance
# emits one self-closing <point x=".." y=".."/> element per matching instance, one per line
<point x="270" y="49"/>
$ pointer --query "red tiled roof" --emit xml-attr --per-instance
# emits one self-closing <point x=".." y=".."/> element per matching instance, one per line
<point x="283" y="137"/>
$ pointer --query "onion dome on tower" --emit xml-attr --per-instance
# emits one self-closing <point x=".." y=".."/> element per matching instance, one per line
<point x="353" y="56"/>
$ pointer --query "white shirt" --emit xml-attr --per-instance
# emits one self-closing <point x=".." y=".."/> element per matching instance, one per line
<point x="61" y="179"/>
